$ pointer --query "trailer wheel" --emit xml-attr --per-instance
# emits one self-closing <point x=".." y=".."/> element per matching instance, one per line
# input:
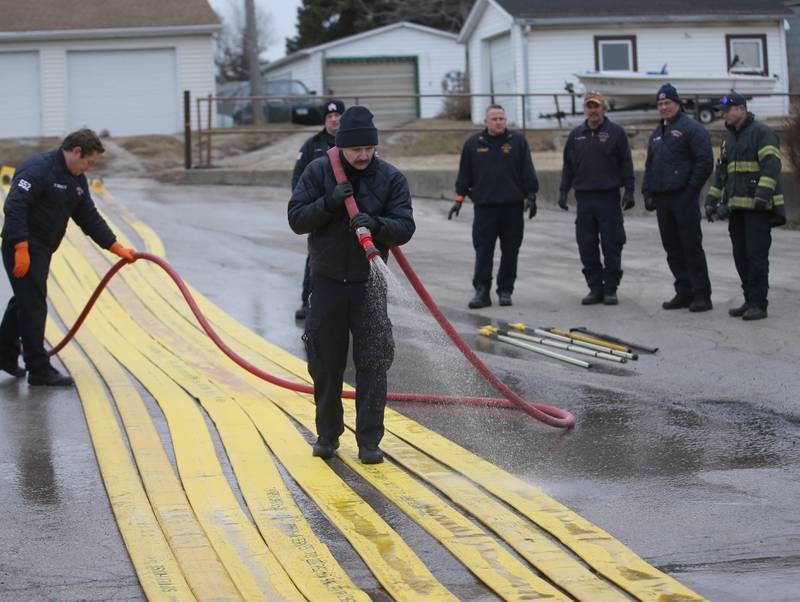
<point x="706" y="114"/>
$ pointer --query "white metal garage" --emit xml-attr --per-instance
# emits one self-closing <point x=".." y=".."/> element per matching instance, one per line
<point x="20" y="113"/>
<point x="349" y="79"/>
<point x="114" y="64"/>
<point x="127" y="92"/>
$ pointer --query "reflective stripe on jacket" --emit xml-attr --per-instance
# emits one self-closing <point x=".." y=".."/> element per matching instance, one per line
<point x="749" y="167"/>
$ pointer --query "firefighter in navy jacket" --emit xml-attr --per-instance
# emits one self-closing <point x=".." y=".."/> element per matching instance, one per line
<point x="496" y="171"/>
<point x="48" y="189"/>
<point x="679" y="161"/>
<point x="597" y="163"/>
<point x="345" y="297"/>
<point x="314" y="148"/>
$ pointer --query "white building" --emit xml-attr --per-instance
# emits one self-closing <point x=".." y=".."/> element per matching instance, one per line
<point x="537" y="46"/>
<point x="397" y="59"/>
<point x="105" y="64"/>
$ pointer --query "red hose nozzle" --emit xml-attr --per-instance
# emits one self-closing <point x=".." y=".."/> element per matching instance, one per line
<point x="366" y="242"/>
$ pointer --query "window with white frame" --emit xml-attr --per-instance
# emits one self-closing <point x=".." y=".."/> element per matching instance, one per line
<point x="747" y="54"/>
<point x="615" y="53"/>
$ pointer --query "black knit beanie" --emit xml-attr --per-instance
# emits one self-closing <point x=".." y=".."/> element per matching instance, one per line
<point x="668" y="92"/>
<point x="356" y="128"/>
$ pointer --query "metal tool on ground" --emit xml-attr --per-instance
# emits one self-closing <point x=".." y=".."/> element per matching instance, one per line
<point x="613" y="339"/>
<point x="493" y="332"/>
<point x="587" y="339"/>
<point x="568" y="338"/>
<point x="566" y="345"/>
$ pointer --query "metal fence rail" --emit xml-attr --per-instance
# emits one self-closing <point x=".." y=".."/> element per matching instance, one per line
<point x="565" y="104"/>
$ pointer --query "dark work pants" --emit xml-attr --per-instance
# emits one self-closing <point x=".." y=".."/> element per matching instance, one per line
<point x="338" y="309"/>
<point x="26" y="312"/>
<point x="682" y="238"/>
<point x="751" y="238"/>
<point x="598" y="225"/>
<point x="503" y="221"/>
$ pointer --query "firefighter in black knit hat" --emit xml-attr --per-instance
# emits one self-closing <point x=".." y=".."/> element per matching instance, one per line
<point x="346" y="296"/>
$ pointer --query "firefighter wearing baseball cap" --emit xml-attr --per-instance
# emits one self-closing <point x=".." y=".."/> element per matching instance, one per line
<point x="314" y="148"/>
<point x="597" y="163"/>
<point x="748" y="189"/>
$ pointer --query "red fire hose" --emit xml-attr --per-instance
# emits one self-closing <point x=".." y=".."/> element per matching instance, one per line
<point x="547" y="414"/>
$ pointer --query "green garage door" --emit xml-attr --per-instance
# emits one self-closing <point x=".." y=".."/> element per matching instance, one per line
<point x="349" y="79"/>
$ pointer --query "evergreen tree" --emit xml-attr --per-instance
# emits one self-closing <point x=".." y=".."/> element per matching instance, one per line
<point x="320" y="21"/>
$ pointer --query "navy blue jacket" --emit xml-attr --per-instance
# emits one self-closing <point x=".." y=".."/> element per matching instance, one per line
<point x="679" y="156"/>
<point x="596" y="160"/>
<point x="380" y="190"/>
<point x="496" y="169"/>
<point x="313" y="148"/>
<point x="44" y="195"/>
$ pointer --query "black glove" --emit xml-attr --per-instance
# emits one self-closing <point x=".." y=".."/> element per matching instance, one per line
<point x="364" y="220"/>
<point x="340" y="193"/>
<point x="530" y="206"/>
<point x="711" y="210"/>
<point x="562" y="200"/>
<point x="454" y="209"/>
<point x="627" y="200"/>
<point x="760" y="204"/>
<point x="649" y="203"/>
<point x="723" y="211"/>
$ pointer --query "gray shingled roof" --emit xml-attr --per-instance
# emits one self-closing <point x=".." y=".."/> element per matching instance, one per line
<point x="60" y="15"/>
<point x="549" y="9"/>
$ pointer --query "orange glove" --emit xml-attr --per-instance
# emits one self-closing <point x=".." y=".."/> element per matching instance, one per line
<point x="125" y="253"/>
<point x="22" y="259"/>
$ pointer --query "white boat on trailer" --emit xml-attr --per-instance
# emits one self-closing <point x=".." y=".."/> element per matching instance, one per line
<point x="631" y="89"/>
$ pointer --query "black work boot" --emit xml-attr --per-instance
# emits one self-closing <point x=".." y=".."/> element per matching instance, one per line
<point x="301" y="313"/>
<point x="11" y="367"/>
<point x="610" y="298"/>
<point x="738" y="312"/>
<point x="700" y="304"/>
<point x="504" y="298"/>
<point x="754" y="313"/>
<point x="324" y="448"/>
<point x="370" y="454"/>
<point x="481" y="299"/>
<point x="593" y="298"/>
<point x="49" y="377"/>
<point x="677" y="302"/>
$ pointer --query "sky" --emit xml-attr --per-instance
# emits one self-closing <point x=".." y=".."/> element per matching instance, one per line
<point x="284" y="18"/>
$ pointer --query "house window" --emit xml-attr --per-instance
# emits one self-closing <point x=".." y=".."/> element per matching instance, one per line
<point x="747" y="54"/>
<point x="615" y="53"/>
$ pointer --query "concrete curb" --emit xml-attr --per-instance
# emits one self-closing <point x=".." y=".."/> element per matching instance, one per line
<point x="438" y="183"/>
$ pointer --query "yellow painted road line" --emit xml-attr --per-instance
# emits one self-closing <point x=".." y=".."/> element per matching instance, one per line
<point x="395" y="565"/>
<point x="242" y="551"/>
<point x="195" y="555"/>
<point x="602" y="552"/>
<point x="152" y="558"/>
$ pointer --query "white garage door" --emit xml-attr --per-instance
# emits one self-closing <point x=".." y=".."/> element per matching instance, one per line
<point x="125" y="91"/>
<point x="349" y="79"/>
<point x="501" y="64"/>
<point x="20" y="109"/>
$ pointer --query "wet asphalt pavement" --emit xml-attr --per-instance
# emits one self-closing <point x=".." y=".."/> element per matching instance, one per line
<point x="689" y="456"/>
